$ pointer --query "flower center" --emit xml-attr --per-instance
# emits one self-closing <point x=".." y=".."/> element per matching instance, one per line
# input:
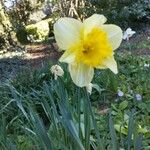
<point x="94" y="48"/>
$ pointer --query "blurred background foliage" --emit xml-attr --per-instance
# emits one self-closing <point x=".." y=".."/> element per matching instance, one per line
<point x="16" y="15"/>
<point x="34" y="107"/>
<point x="123" y="12"/>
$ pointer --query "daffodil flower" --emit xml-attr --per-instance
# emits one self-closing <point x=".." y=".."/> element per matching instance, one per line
<point x="88" y="44"/>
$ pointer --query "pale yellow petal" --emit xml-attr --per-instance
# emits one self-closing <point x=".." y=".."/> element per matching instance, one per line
<point x="109" y="63"/>
<point x="67" y="32"/>
<point x="89" y="88"/>
<point x="81" y="74"/>
<point x="102" y="66"/>
<point x="114" y="34"/>
<point x="67" y="57"/>
<point x="94" y="21"/>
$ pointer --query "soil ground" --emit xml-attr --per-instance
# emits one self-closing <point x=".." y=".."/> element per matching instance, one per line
<point x="34" y="56"/>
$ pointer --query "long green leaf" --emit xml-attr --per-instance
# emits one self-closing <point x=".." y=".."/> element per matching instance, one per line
<point x="113" y="134"/>
<point x="130" y="129"/>
<point x="40" y="130"/>
<point x="99" y="140"/>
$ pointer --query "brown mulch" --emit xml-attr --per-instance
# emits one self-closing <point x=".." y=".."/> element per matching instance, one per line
<point x="142" y="52"/>
<point x="40" y="54"/>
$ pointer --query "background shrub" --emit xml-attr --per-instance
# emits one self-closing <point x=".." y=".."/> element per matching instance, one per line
<point x="36" y="32"/>
<point x="21" y="35"/>
<point x="123" y="12"/>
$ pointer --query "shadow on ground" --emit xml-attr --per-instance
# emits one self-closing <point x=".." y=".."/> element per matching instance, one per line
<point x="36" y="56"/>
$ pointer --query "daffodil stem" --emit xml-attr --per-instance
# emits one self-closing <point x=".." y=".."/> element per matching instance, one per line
<point x="89" y="106"/>
<point x="87" y="120"/>
<point x="79" y="111"/>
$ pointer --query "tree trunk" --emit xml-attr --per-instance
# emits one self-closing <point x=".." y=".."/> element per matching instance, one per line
<point x="6" y="28"/>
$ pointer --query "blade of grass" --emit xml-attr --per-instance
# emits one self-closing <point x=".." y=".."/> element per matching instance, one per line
<point x="68" y="124"/>
<point x="40" y="130"/>
<point x="138" y="144"/>
<point x="66" y="118"/>
<point x="112" y="133"/>
<point x="130" y="129"/>
<point x="18" y="98"/>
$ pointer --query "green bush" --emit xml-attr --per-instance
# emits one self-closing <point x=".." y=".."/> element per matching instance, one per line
<point x="21" y="35"/>
<point x="2" y="38"/>
<point x="36" y="32"/>
<point x="125" y="12"/>
<point x="39" y="31"/>
<point x="2" y="41"/>
<point x="140" y="9"/>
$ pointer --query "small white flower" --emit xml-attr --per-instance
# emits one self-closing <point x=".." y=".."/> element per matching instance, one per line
<point x="128" y="33"/>
<point x="57" y="71"/>
<point x="146" y="65"/>
<point x="89" y="88"/>
<point x="138" y="97"/>
<point x="120" y="93"/>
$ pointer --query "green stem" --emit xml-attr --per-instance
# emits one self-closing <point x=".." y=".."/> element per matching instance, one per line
<point x="87" y="120"/>
<point x="99" y="140"/>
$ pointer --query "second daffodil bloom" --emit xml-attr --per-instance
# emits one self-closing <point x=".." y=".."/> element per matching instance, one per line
<point x="89" y="44"/>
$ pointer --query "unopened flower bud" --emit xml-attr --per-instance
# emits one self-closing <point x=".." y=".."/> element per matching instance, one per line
<point x="57" y="71"/>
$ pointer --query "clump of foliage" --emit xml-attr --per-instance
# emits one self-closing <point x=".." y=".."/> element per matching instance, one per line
<point x="40" y="30"/>
<point x="21" y="35"/>
<point x="2" y="41"/>
<point x="34" y="32"/>
<point x="20" y="11"/>
<point x="125" y="13"/>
